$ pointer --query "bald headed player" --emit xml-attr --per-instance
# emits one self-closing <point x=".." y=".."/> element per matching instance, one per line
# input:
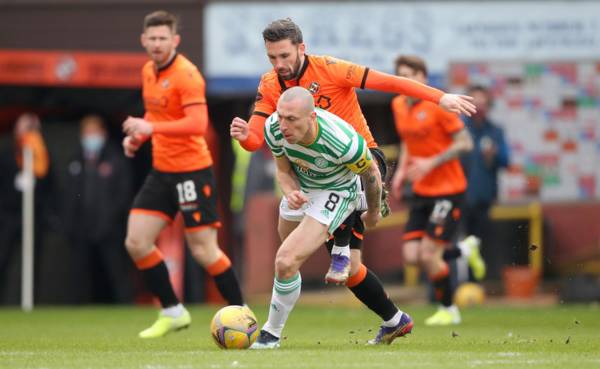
<point x="320" y="160"/>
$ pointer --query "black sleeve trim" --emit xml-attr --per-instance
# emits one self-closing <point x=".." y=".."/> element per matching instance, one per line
<point x="364" y="79"/>
<point x="261" y="114"/>
<point x="281" y="83"/>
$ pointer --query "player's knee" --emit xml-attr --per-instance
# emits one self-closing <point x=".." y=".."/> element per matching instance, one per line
<point x="205" y="252"/>
<point x="136" y="246"/>
<point x="199" y="253"/>
<point x="430" y="254"/>
<point x="425" y="257"/>
<point x="285" y="266"/>
<point x="429" y="261"/>
<point x="411" y="259"/>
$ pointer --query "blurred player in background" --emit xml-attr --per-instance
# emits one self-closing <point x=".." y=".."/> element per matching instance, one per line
<point x="432" y="140"/>
<point x="319" y="159"/>
<point x="181" y="179"/>
<point x="332" y="83"/>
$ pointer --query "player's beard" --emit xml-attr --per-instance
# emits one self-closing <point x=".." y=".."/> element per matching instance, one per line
<point x="162" y="57"/>
<point x="295" y="69"/>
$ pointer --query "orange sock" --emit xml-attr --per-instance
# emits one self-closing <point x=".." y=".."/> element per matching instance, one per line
<point x="219" y="266"/>
<point x="150" y="260"/>
<point x="442" y="286"/>
<point x="443" y="273"/>
<point x="357" y="277"/>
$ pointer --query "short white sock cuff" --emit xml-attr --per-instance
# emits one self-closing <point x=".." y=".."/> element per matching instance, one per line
<point x="465" y="250"/>
<point x="287" y="286"/>
<point x="173" y="311"/>
<point x="341" y="250"/>
<point x="395" y="319"/>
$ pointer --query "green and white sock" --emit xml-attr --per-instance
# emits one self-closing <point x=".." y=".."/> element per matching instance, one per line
<point x="285" y="295"/>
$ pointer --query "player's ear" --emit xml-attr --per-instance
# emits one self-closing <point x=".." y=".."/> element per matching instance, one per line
<point x="301" y="48"/>
<point x="143" y="39"/>
<point x="176" y="40"/>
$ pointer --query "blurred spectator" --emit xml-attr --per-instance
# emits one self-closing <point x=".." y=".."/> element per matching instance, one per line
<point x="98" y="195"/>
<point x="481" y="165"/>
<point x="27" y="133"/>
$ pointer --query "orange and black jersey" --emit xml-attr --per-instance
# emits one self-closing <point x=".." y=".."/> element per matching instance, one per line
<point x="332" y="82"/>
<point x="427" y="130"/>
<point x="168" y="92"/>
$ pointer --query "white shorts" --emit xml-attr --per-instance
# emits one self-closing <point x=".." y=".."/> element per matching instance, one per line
<point x="330" y="208"/>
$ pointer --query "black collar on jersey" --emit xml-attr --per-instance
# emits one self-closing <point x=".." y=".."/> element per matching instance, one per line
<point x="169" y="63"/>
<point x="300" y="74"/>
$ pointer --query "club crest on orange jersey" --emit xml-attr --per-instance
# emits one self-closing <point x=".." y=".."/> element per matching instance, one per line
<point x="314" y="88"/>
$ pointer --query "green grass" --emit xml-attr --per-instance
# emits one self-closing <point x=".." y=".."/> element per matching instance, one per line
<point x="316" y="337"/>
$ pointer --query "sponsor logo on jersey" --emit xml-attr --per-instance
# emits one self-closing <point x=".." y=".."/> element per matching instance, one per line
<point x="350" y="72"/>
<point x="303" y="167"/>
<point x="165" y="83"/>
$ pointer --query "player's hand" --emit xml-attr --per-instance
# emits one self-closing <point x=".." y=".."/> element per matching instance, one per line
<point x="296" y="199"/>
<point x="239" y="129"/>
<point x="131" y="145"/>
<point x="371" y="218"/>
<point x="397" y="182"/>
<point x="137" y="126"/>
<point x="419" y="167"/>
<point x="459" y="104"/>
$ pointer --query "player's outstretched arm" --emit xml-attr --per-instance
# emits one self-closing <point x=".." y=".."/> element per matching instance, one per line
<point x="250" y="134"/>
<point x="371" y="179"/>
<point x="460" y="104"/>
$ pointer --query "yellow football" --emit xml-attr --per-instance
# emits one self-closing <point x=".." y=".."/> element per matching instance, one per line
<point x="234" y="327"/>
<point x="469" y="294"/>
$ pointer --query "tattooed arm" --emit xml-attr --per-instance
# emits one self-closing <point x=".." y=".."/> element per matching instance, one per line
<point x="371" y="179"/>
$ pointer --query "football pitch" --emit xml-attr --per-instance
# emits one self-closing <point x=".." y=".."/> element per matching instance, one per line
<point x="565" y="336"/>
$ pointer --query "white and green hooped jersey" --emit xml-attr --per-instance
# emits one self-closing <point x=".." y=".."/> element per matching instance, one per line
<point x="332" y="162"/>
